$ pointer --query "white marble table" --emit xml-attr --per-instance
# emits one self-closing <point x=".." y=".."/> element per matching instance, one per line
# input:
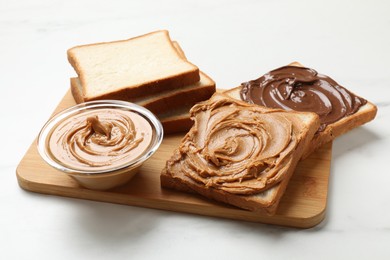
<point x="233" y="41"/>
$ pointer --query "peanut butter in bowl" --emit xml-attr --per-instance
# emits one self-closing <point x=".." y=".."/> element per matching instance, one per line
<point x="101" y="144"/>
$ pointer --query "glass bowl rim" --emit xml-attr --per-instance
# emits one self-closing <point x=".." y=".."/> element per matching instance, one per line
<point x="100" y="104"/>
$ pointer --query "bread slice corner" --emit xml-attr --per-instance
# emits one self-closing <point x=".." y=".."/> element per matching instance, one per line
<point x="364" y="115"/>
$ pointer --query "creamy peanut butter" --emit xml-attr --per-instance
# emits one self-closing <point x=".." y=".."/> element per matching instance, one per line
<point x="235" y="147"/>
<point x="100" y="139"/>
<point x="302" y="89"/>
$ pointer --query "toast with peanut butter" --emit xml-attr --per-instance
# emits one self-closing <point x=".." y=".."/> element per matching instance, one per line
<point x="239" y="153"/>
<point x="295" y="87"/>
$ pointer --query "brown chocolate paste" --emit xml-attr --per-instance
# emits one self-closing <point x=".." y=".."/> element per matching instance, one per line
<point x="302" y="89"/>
<point x="100" y="139"/>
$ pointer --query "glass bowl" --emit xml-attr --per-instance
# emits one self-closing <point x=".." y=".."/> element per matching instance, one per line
<point x="100" y="159"/>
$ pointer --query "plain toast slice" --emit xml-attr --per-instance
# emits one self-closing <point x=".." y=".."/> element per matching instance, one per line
<point x="136" y="67"/>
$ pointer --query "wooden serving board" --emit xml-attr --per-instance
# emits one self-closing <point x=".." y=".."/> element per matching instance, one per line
<point x="303" y="204"/>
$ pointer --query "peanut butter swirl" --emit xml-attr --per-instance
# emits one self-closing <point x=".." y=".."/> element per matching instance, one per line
<point x="100" y="139"/>
<point x="235" y="146"/>
<point x="302" y="89"/>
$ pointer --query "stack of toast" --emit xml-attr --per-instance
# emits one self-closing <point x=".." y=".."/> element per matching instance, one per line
<point x="149" y="70"/>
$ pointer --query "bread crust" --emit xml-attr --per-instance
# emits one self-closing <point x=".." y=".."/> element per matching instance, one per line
<point x="177" y="124"/>
<point x="76" y="91"/>
<point x="365" y="114"/>
<point x="179" y="99"/>
<point x="165" y="101"/>
<point x="150" y="88"/>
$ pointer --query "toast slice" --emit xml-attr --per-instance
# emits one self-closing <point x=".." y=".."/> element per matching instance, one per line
<point x="223" y="171"/>
<point x="365" y="114"/>
<point x="165" y="101"/>
<point x="131" y="68"/>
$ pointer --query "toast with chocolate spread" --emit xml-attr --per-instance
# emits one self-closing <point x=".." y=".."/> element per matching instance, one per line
<point x="295" y="87"/>
<point x="239" y="153"/>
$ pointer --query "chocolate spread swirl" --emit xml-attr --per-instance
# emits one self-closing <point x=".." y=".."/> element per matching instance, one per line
<point x="100" y="139"/>
<point x="302" y="89"/>
<point x="235" y="146"/>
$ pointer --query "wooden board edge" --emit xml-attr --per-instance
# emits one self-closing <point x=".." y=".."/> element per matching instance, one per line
<point x="246" y="216"/>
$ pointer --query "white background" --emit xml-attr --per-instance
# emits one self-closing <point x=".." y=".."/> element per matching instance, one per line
<point x="232" y="41"/>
